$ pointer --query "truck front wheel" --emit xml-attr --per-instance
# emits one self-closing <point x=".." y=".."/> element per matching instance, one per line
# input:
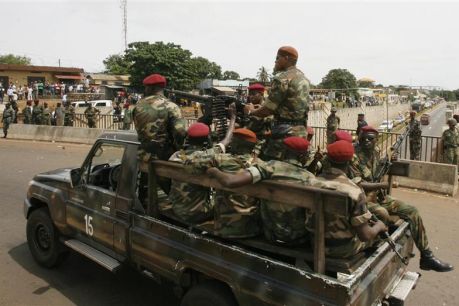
<point x="209" y="294"/>
<point x="43" y="239"/>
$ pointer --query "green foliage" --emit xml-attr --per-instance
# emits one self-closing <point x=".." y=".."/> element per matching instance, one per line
<point x="12" y="59"/>
<point x="116" y="64"/>
<point x="231" y="75"/>
<point x="205" y="69"/>
<point x="263" y="75"/>
<point x="340" y="79"/>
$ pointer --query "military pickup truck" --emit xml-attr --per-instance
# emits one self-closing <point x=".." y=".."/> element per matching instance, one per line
<point x="97" y="210"/>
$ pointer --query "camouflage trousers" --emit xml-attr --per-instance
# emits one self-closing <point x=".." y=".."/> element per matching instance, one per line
<point x="91" y="123"/>
<point x="330" y="136"/>
<point x="274" y="148"/>
<point x="415" y="150"/>
<point x="450" y="156"/>
<point x="392" y="207"/>
<point x="283" y="223"/>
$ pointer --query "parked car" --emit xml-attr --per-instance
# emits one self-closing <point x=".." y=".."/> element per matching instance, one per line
<point x="101" y="103"/>
<point x="80" y="104"/>
<point x="425" y="119"/>
<point x="386" y="126"/>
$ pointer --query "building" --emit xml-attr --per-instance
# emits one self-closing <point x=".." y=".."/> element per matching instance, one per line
<point x="26" y="74"/>
<point x="225" y="87"/>
<point x="99" y="79"/>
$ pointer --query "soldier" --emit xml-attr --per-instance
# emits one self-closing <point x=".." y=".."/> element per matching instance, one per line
<point x="159" y="123"/>
<point x="365" y="164"/>
<point x="59" y="114"/>
<point x="360" y="123"/>
<point x="37" y="112"/>
<point x="450" y="139"/>
<point x="415" y="137"/>
<point x="333" y="122"/>
<point x="27" y="112"/>
<point x="90" y="114"/>
<point x="288" y="100"/>
<point x="127" y="119"/>
<point x="236" y="215"/>
<point x="69" y="114"/>
<point x="46" y="115"/>
<point x="8" y="116"/>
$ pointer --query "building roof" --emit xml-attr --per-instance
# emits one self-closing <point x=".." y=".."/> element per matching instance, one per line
<point x="224" y="89"/>
<point x="40" y="68"/>
<point x="108" y="77"/>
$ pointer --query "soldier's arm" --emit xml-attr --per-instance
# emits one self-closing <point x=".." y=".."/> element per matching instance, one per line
<point x="360" y="221"/>
<point x="229" y="132"/>
<point x="231" y="180"/>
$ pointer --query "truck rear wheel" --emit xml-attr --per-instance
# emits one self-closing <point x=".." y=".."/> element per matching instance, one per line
<point x="43" y="239"/>
<point x="209" y="294"/>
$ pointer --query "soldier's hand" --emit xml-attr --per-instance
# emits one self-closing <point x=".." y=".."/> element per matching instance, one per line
<point x="248" y="108"/>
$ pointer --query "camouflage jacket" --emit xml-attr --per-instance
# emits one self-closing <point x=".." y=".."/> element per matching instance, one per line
<point x="158" y="122"/>
<point x="450" y="139"/>
<point x="46" y="116"/>
<point x="415" y="131"/>
<point x="69" y="113"/>
<point x="8" y="115"/>
<point x="91" y="112"/>
<point x="363" y="165"/>
<point x="360" y="124"/>
<point x="289" y="95"/>
<point x="27" y="112"/>
<point x="37" y="111"/>
<point x="336" y="226"/>
<point x="127" y="116"/>
<point x="333" y="123"/>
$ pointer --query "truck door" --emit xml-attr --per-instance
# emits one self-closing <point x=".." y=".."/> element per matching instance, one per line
<point x="92" y="200"/>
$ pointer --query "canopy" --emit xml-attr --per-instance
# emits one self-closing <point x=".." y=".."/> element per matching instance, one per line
<point x="69" y="77"/>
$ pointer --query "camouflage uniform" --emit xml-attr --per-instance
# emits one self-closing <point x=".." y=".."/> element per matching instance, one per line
<point x="367" y="168"/>
<point x="415" y="139"/>
<point x="236" y="215"/>
<point x="69" y="115"/>
<point x="340" y="238"/>
<point x="90" y="114"/>
<point x="127" y="119"/>
<point x="8" y="116"/>
<point x="333" y="122"/>
<point x="46" y="116"/>
<point x="259" y="126"/>
<point x="27" y="112"/>
<point x="282" y="223"/>
<point x="160" y="127"/>
<point x="37" y="113"/>
<point x="288" y="99"/>
<point x="360" y="124"/>
<point x="450" y="140"/>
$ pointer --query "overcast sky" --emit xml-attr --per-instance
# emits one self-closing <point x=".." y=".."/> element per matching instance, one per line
<point x="412" y="43"/>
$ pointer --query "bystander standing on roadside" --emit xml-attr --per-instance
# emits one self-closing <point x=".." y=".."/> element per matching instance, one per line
<point x="59" y="114"/>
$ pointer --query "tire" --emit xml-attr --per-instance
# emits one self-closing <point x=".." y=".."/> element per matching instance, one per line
<point x="209" y="294"/>
<point x="43" y="239"/>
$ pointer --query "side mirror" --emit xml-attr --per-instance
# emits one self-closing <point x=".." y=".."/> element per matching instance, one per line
<point x="75" y="177"/>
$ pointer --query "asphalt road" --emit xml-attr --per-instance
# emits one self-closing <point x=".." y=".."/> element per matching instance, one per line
<point x="81" y="282"/>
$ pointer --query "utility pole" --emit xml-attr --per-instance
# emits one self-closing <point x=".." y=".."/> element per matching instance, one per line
<point x="59" y="62"/>
<point x="124" y="9"/>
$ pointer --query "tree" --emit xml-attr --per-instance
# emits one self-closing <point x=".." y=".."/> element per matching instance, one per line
<point x="340" y="79"/>
<point x="116" y="64"/>
<point x="167" y="59"/>
<point x="14" y="59"/>
<point x="231" y="75"/>
<point x="205" y="69"/>
<point x="263" y="75"/>
<point x="366" y="84"/>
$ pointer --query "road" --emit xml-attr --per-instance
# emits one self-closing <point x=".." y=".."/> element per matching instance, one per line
<point x="81" y="282"/>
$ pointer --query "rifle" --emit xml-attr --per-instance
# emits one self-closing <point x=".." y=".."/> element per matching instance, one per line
<point x="386" y="237"/>
<point x="215" y="108"/>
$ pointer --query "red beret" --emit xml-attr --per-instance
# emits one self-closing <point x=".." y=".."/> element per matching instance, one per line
<point x="342" y="135"/>
<point x="288" y="51"/>
<point x="295" y="143"/>
<point x="245" y="134"/>
<point x="340" y="151"/>
<point x="197" y="130"/>
<point x="155" y="79"/>
<point x="413" y="112"/>
<point x="310" y="130"/>
<point x="126" y="105"/>
<point x="368" y="129"/>
<point x="257" y="87"/>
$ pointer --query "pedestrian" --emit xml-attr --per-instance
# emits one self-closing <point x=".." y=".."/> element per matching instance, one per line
<point x="29" y="93"/>
<point x="37" y="112"/>
<point x="127" y="119"/>
<point x="35" y="90"/>
<point x="333" y="122"/>
<point x="159" y="123"/>
<point x="59" y="114"/>
<point x="366" y="165"/>
<point x="361" y="122"/>
<point x="288" y="100"/>
<point x="10" y="92"/>
<point x="27" y="112"/>
<point x="90" y="114"/>
<point x="415" y="137"/>
<point x="450" y="140"/>
<point x="7" y="118"/>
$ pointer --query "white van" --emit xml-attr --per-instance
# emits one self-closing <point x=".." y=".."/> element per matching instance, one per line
<point x="101" y="103"/>
<point x="77" y="104"/>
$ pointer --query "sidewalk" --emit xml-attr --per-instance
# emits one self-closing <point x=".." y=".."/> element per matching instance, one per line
<point x="440" y="215"/>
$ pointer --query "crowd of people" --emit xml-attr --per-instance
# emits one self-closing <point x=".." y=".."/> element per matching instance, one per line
<point x="273" y="143"/>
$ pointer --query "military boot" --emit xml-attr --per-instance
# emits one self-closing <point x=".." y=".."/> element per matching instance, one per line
<point x="430" y="262"/>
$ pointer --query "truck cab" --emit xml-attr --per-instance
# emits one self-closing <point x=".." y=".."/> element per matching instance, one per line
<point x="104" y="211"/>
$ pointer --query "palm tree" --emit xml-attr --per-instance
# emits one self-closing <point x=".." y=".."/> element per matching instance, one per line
<point x="263" y="75"/>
